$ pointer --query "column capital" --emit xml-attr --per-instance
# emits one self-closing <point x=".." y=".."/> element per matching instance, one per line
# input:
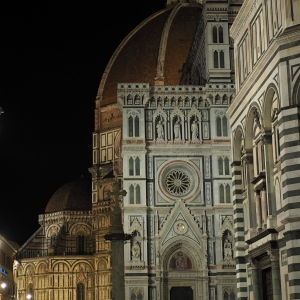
<point x="253" y="263"/>
<point x="273" y="256"/>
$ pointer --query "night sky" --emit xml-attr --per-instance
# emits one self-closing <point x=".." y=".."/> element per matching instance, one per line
<point x="53" y="57"/>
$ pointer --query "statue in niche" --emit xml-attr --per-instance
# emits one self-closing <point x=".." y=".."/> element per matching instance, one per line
<point x="194" y="129"/>
<point x="227" y="249"/>
<point x="135" y="250"/>
<point x="160" y="130"/>
<point x="177" y="133"/>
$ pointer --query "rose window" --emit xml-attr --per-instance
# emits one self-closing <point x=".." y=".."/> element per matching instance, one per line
<point x="178" y="183"/>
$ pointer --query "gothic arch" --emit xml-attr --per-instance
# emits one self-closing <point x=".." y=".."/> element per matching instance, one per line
<point x="61" y="266"/>
<point x="249" y="125"/>
<point x="53" y="230"/>
<point x="271" y="95"/>
<point x="42" y="267"/>
<point x="29" y="270"/>
<point x="80" y="228"/>
<point x="102" y="264"/>
<point x="82" y="267"/>
<point x="237" y="144"/>
<point x="105" y="190"/>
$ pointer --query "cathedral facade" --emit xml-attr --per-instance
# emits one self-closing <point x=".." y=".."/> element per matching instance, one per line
<point x="163" y="134"/>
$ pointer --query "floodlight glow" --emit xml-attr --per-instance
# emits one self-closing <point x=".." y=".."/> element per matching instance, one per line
<point x="3" y="285"/>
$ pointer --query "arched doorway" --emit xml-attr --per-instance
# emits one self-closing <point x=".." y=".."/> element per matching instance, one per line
<point x="183" y="292"/>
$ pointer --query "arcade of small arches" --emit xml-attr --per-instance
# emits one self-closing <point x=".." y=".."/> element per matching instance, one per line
<point x="257" y="154"/>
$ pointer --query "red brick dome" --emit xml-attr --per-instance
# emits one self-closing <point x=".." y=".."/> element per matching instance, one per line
<point x="73" y="196"/>
<point x="155" y="52"/>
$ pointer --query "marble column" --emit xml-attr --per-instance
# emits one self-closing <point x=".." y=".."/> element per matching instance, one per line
<point x="264" y="208"/>
<point x="276" y="284"/>
<point x="255" y="280"/>
<point x="117" y="238"/>
<point x="258" y="211"/>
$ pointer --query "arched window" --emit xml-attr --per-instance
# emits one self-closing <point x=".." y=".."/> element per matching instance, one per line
<point x="131" y="194"/>
<point x="221" y="193"/>
<point x="215" y="34"/>
<point x="224" y="193"/>
<point x="227" y="193"/>
<point x="218" y="36"/>
<point x="222" y="128"/>
<point x="137" y="166"/>
<point x="219" y="59"/>
<point x="133" y="126"/>
<point x="80" y="291"/>
<point x="226" y="165"/>
<point x="219" y="126"/>
<point x="134" y="166"/>
<point x="224" y="121"/>
<point x="221" y="39"/>
<point x="131" y="166"/>
<point x="130" y="126"/>
<point x="135" y="194"/>
<point x="138" y="195"/>
<point x="223" y="165"/>
<point x="136" y="126"/>
<point x="220" y="165"/>
<point x="216" y="59"/>
<point x="222" y="62"/>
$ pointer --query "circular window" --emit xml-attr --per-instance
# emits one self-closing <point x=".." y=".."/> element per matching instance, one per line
<point x="177" y="183"/>
<point x="179" y="179"/>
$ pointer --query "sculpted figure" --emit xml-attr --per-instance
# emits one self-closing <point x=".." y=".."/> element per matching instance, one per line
<point x="177" y="133"/>
<point x="135" y="250"/>
<point x="194" y="128"/>
<point x="160" y="130"/>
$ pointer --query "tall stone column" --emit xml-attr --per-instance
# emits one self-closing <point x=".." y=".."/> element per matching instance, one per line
<point x="276" y="284"/>
<point x="255" y="281"/>
<point x="117" y="238"/>
<point x="258" y="211"/>
<point x="264" y="207"/>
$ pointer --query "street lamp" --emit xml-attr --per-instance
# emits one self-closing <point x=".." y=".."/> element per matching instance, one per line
<point x="29" y="296"/>
<point x="3" y="285"/>
<point x="1" y="110"/>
